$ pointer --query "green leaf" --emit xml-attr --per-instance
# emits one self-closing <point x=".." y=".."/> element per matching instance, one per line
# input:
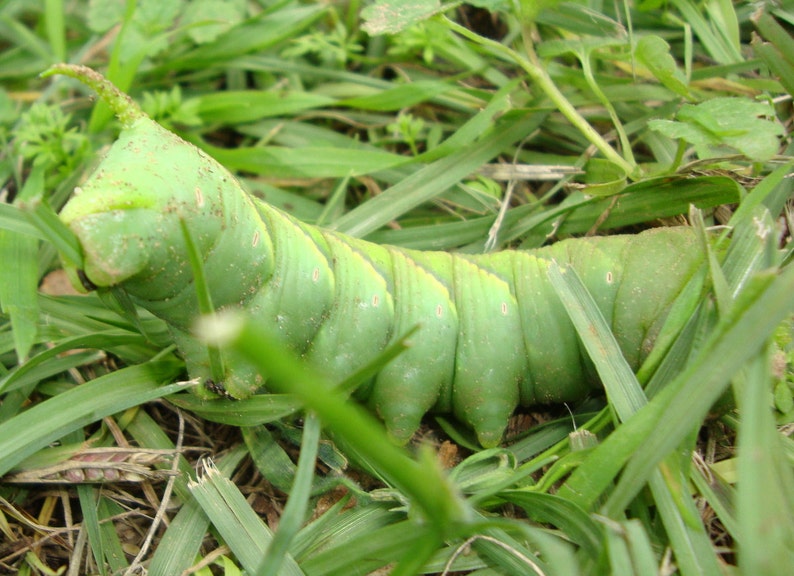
<point x="258" y="409"/>
<point x="654" y="53"/>
<point x="234" y="107"/>
<point x="297" y="505"/>
<point x="102" y="15"/>
<point x="390" y="16"/>
<point x="433" y="494"/>
<point x="530" y="9"/>
<point x="18" y="288"/>
<point x="19" y="282"/>
<point x="736" y="123"/>
<point x="399" y="97"/>
<point x="309" y="162"/>
<point x="433" y="179"/>
<point x="208" y="19"/>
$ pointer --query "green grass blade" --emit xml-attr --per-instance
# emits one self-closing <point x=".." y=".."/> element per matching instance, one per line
<point x="88" y="496"/>
<point x="48" y="421"/>
<point x="56" y="232"/>
<point x="182" y="540"/>
<point x="765" y="486"/>
<point x="297" y="505"/>
<point x="56" y="29"/>
<point x="689" y="540"/>
<point x="624" y="392"/>
<point x="18" y="284"/>
<point x="14" y="220"/>
<point x="367" y="551"/>
<point x="18" y="288"/>
<point x="563" y="514"/>
<point x="711" y="36"/>
<point x="40" y="365"/>
<point x="244" y="532"/>
<point x="689" y="397"/>
<point x="435" y="178"/>
<point x="310" y="162"/>
<point x="269" y="457"/>
<point x="203" y="296"/>
<point x="179" y="544"/>
<point x="259" y="409"/>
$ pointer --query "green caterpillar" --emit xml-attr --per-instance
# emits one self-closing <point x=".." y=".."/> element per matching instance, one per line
<point x="493" y="335"/>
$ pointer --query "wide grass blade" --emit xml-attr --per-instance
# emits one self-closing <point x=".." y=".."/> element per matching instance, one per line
<point x="243" y="531"/>
<point x="298" y="503"/>
<point x="765" y="483"/>
<point x="690" y="543"/>
<point x="736" y="340"/>
<point x="180" y="543"/>
<point x="434" y="179"/>
<point x="48" y="421"/>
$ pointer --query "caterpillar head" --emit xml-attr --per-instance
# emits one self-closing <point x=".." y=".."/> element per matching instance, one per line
<point x="126" y="215"/>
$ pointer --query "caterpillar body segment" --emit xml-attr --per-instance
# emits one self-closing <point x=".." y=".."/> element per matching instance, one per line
<point x="492" y="333"/>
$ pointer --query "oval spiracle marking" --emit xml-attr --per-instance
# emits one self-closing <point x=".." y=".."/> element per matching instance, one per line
<point x="255" y="240"/>
<point x="199" y="197"/>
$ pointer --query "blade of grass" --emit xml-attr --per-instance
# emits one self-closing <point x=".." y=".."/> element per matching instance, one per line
<point x="56" y="29"/>
<point x="295" y="511"/>
<point x="689" y="397"/>
<point x="310" y="162"/>
<point x="253" y="411"/>
<point x="88" y="496"/>
<point x="27" y="373"/>
<point x="332" y="533"/>
<point x="435" y="178"/>
<point x="179" y="544"/>
<point x="47" y="421"/>
<point x="18" y="288"/>
<point x="203" y="296"/>
<point x="713" y="38"/>
<point x="563" y="514"/>
<point x="238" y="524"/>
<point x="641" y="202"/>
<point x="14" y="220"/>
<point x="721" y="338"/>
<point x="765" y="486"/>
<point x="18" y="283"/>
<point x="270" y="458"/>
<point x="367" y="551"/>
<point x="52" y="228"/>
<point x="260" y="34"/>
<point x="690" y="543"/>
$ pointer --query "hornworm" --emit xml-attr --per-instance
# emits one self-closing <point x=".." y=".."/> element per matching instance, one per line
<point x="492" y="333"/>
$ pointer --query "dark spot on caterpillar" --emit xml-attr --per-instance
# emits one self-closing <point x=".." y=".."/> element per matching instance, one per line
<point x="87" y="284"/>
<point x="218" y="389"/>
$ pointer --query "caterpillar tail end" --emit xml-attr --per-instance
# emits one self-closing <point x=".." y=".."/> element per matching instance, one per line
<point x="124" y="107"/>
